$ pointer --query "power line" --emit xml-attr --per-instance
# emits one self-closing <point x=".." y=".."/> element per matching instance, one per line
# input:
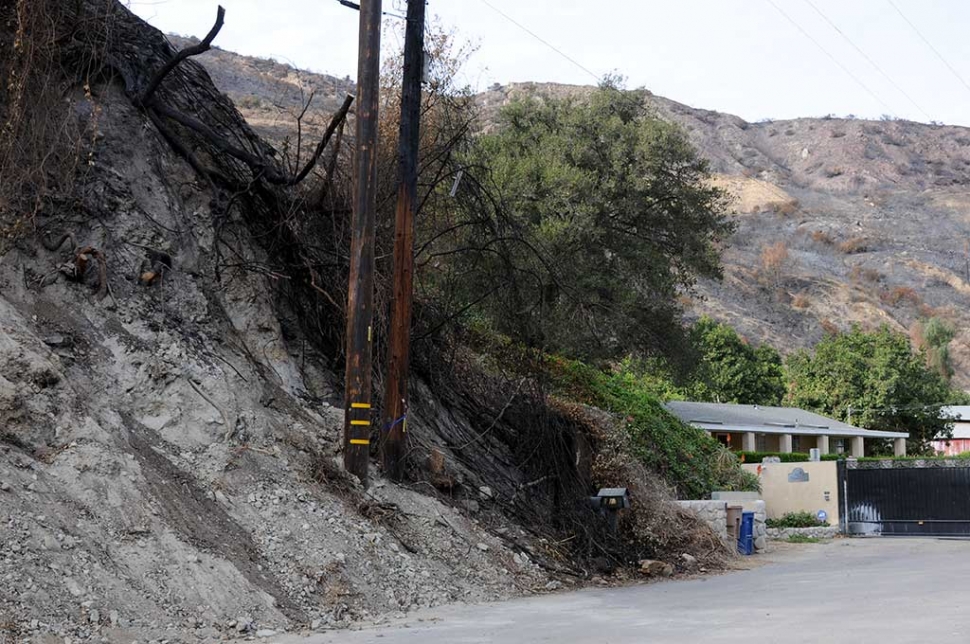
<point x="831" y="57"/>
<point x="540" y="39"/>
<point x="868" y="59"/>
<point x="929" y="44"/>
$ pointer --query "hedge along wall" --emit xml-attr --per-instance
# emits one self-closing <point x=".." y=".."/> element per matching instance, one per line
<point x="789" y="457"/>
<point x="905" y="462"/>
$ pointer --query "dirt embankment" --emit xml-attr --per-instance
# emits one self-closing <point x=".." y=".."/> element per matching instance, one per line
<point x="169" y="449"/>
<point x="160" y="445"/>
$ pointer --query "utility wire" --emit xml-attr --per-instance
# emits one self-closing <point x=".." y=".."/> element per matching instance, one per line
<point x="540" y="39"/>
<point x="930" y="45"/>
<point x="868" y="59"/>
<point x="831" y="57"/>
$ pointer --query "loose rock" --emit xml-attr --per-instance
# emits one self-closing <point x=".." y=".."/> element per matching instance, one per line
<point x="654" y="568"/>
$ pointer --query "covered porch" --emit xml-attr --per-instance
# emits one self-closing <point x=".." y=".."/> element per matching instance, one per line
<point x="754" y="428"/>
<point x="786" y="443"/>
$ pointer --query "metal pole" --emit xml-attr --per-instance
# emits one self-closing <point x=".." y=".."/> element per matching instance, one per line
<point x="398" y="349"/>
<point x="360" y="291"/>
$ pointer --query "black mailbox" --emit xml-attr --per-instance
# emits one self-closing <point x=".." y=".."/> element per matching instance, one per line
<point x="611" y="498"/>
<point x="609" y="501"/>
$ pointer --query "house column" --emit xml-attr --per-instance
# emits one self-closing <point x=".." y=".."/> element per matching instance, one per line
<point x="822" y="443"/>
<point x="899" y="446"/>
<point x="784" y="443"/>
<point x="748" y="442"/>
<point x="858" y="446"/>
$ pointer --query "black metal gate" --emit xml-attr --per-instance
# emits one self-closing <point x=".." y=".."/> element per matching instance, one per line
<point x="925" y="501"/>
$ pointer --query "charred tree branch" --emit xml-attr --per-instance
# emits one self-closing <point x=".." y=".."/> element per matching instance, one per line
<point x="194" y="50"/>
<point x="335" y="121"/>
<point x="256" y="163"/>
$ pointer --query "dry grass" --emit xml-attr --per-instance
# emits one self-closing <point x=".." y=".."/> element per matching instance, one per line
<point x="822" y="237"/>
<point x="854" y="245"/>
<point x="917" y="335"/>
<point x="684" y="300"/>
<point x="859" y="274"/>
<point x="774" y="259"/>
<point x="786" y="208"/>
<point x="801" y="301"/>
<point x="752" y="195"/>
<point x="927" y="311"/>
<point x="900" y="295"/>
<point x="829" y="327"/>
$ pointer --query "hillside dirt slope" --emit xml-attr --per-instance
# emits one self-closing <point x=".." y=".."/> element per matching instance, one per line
<point x="169" y="464"/>
<point x="170" y="431"/>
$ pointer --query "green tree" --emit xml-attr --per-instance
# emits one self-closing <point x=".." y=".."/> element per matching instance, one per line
<point x="938" y="334"/>
<point x="599" y="214"/>
<point x="731" y="370"/>
<point x="878" y="376"/>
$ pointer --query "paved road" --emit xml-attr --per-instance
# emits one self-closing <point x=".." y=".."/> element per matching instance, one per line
<point x="858" y="590"/>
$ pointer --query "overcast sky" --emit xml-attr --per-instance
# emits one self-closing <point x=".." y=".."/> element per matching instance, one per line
<point x="738" y="56"/>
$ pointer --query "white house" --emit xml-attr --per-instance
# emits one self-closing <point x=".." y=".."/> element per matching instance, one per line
<point x="754" y="428"/>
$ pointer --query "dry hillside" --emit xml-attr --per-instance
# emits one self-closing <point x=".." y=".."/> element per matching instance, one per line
<point x="840" y="221"/>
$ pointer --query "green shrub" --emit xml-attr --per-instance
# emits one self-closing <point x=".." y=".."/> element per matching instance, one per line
<point x="756" y="457"/>
<point x="796" y="520"/>
<point x="794" y="457"/>
<point x="687" y="457"/>
<point x="962" y="455"/>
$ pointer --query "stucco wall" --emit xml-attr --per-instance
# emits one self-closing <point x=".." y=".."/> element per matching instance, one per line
<point x="813" y="488"/>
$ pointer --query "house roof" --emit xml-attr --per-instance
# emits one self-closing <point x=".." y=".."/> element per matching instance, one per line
<point x="714" y="417"/>
<point x="961" y="421"/>
<point x="959" y="413"/>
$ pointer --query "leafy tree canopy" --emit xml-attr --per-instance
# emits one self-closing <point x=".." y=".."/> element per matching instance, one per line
<point x="606" y="216"/>
<point x="732" y="371"/>
<point x="879" y="378"/>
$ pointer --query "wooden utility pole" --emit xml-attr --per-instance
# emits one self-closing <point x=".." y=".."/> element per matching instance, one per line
<point x="360" y="292"/>
<point x="398" y="349"/>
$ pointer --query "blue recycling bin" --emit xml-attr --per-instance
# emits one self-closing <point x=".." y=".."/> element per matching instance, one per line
<point x="746" y="534"/>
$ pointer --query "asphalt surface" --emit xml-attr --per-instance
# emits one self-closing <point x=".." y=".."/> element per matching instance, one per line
<point x="850" y="590"/>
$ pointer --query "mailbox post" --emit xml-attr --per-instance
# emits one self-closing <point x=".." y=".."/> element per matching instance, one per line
<point x="609" y="501"/>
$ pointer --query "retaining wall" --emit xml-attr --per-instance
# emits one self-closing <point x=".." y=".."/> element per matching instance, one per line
<point x="714" y="514"/>
<point x="822" y="532"/>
